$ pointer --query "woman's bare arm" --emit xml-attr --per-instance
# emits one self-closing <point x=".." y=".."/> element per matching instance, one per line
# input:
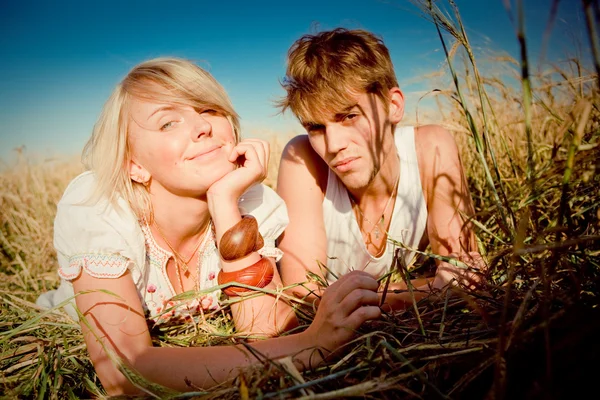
<point x="114" y="321"/>
<point x="262" y="315"/>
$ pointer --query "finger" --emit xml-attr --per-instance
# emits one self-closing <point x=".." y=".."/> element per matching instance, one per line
<point x="361" y="315"/>
<point x="246" y="150"/>
<point x="267" y="150"/>
<point x="262" y="149"/>
<point x="349" y="282"/>
<point x="259" y="142"/>
<point x="357" y="299"/>
<point x="254" y="153"/>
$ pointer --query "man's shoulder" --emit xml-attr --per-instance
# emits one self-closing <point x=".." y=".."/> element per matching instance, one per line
<point x="299" y="151"/>
<point x="434" y="139"/>
<point x="437" y="135"/>
<point x="299" y="146"/>
<point x="299" y="160"/>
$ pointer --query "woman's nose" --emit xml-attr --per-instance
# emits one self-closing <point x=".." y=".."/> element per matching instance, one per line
<point x="200" y="127"/>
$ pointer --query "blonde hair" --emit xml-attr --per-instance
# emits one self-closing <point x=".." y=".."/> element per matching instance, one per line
<point x="108" y="151"/>
<point x="326" y="71"/>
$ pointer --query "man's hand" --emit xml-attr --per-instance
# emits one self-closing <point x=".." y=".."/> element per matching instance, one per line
<point x="344" y="306"/>
<point x="470" y="277"/>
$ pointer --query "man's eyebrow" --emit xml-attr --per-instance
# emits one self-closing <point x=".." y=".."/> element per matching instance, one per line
<point x="343" y="112"/>
<point x="161" y="108"/>
<point x="336" y="116"/>
<point x="311" y="125"/>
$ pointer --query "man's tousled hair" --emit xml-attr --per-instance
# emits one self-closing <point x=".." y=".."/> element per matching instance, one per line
<point x="327" y="70"/>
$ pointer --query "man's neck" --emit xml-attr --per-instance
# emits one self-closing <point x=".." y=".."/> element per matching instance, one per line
<point x="383" y="183"/>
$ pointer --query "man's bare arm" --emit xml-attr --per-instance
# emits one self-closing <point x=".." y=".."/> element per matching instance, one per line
<point x="449" y="202"/>
<point x="301" y="183"/>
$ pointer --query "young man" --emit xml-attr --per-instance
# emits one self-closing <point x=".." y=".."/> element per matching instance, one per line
<point x="356" y="182"/>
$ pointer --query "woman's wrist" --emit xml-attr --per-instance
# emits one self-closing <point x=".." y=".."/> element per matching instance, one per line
<point x="224" y="212"/>
<point x="258" y="275"/>
<point x="222" y="193"/>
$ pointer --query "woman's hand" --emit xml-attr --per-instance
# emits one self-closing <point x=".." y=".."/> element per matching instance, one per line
<point x="344" y="306"/>
<point x="252" y="159"/>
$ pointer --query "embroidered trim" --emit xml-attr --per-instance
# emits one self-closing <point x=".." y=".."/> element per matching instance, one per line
<point x="97" y="265"/>
<point x="156" y="294"/>
<point x="178" y="311"/>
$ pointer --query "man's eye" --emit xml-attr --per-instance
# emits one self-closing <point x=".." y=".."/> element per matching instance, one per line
<point x="313" y="129"/>
<point x="350" y="117"/>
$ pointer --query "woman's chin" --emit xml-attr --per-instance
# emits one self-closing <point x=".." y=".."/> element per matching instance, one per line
<point x="214" y="173"/>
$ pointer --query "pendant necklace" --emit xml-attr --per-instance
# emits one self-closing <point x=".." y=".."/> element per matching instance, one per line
<point x="180" y="262"/>
<point x="381" y="221"/>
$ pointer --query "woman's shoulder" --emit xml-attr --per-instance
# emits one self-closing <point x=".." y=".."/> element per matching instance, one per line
<point x="82" y="215"/>
<point x="93" y="228"/>
<point x="79" y="189"/>
<point x="82" y="192"/>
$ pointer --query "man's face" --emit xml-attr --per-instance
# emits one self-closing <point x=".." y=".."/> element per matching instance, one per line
<point x="354" y="142"/>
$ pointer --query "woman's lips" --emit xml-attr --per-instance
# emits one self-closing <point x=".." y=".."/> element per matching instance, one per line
<point x="206" y="153"/>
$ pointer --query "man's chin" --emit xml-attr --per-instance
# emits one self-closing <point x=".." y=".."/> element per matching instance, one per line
<point x="354" y="181"/>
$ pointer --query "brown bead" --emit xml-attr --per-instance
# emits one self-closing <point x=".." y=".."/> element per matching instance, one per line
<point x="259" y="275"/>
<point x="241" y="239"/>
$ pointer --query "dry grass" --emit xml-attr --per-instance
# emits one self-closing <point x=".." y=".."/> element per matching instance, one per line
<point x="532" y="164"/>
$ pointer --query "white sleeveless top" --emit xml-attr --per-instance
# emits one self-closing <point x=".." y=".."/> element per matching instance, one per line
<point x="346" y="250"/>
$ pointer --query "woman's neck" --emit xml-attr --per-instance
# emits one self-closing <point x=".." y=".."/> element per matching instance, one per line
<point x="181" y="219"/>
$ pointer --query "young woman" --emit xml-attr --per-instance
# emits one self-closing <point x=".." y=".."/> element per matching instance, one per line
<point x="172" y="202"/>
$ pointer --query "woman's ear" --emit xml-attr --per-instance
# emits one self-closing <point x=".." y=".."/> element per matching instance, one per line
<point x="138" y="173"/>
<point x="396" y="106"/>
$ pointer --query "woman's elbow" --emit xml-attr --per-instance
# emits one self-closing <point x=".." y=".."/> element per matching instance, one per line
<point x="113" y="380"/>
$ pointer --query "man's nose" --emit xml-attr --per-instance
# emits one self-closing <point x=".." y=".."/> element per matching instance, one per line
<point x="335" y="138"/>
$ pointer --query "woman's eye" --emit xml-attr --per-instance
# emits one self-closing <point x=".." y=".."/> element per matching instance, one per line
<point x="167" y="125"/>
<point x="209" y="111"/>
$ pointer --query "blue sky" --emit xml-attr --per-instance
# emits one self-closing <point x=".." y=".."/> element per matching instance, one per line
<point x="61" y="59"/>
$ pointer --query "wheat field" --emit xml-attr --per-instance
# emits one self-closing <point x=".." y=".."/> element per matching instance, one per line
<point x="532" y="156"/>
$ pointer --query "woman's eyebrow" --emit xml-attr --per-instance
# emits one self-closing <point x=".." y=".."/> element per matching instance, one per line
<point x="161" y="108"/>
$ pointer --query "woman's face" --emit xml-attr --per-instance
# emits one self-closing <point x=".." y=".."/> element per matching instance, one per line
<point x="182" y="149"/>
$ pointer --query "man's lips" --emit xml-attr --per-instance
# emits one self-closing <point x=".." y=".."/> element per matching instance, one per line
<point x="345" y="164"/>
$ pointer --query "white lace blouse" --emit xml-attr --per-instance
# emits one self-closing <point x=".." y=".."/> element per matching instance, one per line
<point x="106" y="241"/>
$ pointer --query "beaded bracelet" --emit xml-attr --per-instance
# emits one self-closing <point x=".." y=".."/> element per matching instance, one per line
<point x="241" y="239"/>
<point x="258" y="275"/>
